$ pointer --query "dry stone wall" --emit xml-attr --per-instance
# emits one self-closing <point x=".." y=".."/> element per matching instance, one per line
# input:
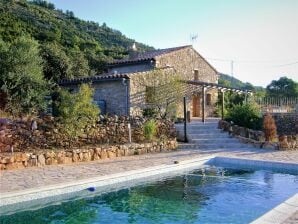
<point x="286" y="123"/>
<point x="18" y="136"/>
<point x="257" y="138"/>
<point x="37" y="158"/>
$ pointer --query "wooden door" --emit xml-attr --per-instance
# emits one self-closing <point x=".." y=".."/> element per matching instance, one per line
<point x="195" y="106"/>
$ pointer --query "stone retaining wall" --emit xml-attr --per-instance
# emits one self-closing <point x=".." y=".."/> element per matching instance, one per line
<point x="18" y="136"/>
<point x="257" y="138"/>
<point x="286" y="123"/>
<point x="51" y="157"/>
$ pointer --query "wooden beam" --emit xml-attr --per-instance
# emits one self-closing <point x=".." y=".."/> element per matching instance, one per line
<point x="203" y="104"/>
<point x="222" y="105"/>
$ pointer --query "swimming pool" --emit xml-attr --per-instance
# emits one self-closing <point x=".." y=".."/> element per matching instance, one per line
<point x="212" y="194"/>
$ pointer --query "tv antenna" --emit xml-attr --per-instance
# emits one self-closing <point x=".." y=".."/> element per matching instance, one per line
<point x="193" y="38"/>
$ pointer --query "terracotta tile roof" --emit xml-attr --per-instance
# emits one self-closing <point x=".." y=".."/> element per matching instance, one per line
<point x="101" y="77"/>
<point x="149" y="55"/>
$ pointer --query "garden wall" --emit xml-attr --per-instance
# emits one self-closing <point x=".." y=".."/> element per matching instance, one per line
<point x="51" y="157"/>
<point x="257" y="138"/>
<point x="21" y="136"/>
<point x="286" y="123"/>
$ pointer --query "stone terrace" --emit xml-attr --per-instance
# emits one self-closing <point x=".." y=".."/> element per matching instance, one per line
<point x="34" y="177"/>
<point x="17" y="180"/>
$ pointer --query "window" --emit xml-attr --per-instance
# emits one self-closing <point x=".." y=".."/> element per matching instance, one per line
<point x="208" y="99"/>
<point x="150" y="93"/>
<point x="196" y="74"/>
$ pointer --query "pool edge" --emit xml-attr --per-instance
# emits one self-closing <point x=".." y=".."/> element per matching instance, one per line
<point x="280" y="213"/>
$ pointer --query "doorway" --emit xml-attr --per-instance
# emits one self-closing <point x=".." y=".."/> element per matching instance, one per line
<point x="196" y="106"/>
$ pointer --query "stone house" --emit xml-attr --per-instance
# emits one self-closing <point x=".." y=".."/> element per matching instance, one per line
<point x="123" y="89"/>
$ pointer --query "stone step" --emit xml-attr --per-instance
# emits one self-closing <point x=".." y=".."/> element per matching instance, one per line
<point x="188" y="146"/>
<point x="211" y="141"/>
<point x="208" y="136"/>
<point x="200" y="131"/>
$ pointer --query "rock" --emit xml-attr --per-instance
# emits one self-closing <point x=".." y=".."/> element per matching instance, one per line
<point x="51" y="161"/>
<point x="41" y="160"/>
<point x="111" y="154"/>
<point x="32" y="162"/>
<point x="103" y="154"/>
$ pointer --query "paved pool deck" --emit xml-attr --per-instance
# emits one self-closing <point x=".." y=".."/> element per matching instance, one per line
<point x="16" y="181"/>
<point x="24" y="179"/>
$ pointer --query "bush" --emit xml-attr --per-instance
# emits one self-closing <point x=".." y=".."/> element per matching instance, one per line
<point x="150" y="129"/>
<point x="247" y="115"/>
<point x="269" y="127"/>
<point x="76" y="112"/>
<point x="150" y="112"/>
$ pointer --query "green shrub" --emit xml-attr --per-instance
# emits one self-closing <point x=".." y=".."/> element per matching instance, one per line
<point x="76" y="112"/>
<point x="246" y="115"/>
<point x="150" y="112"/>
<point x="150" y="129"/>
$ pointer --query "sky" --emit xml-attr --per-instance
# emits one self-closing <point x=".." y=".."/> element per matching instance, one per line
<point x="259" y="36"/>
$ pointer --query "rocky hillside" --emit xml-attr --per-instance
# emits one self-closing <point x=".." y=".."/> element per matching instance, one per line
<point x="62" y="32"/>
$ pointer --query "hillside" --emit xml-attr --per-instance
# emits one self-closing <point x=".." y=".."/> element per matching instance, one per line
<point x="225" y="79"/>
<point x="62" y="35"/>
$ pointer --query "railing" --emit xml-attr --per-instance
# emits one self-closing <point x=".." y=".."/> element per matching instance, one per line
<point x="277" y="104"/>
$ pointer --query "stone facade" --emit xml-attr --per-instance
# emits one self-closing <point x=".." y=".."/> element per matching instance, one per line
<point x="183" y="62"/>
<point x="126" y="95"/>
<point x="113" y="92"/>
<point x="132" y="68"/>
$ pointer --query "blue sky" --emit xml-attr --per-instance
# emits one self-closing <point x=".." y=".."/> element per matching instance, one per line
<point x="260" y="36"/>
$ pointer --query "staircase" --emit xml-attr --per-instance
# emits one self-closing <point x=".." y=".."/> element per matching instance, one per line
<point x="207" y="136"/>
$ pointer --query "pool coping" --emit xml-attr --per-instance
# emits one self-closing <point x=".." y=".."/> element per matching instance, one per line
<point x="277" y="215"/>
<point x="11" y="198"/>
<point x="280" y="213"/>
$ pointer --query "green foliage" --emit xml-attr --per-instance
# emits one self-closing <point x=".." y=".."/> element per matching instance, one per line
<point x="60" y="34"/>
<point x="284" y="87"/>
<point x="246" y="115"/>
<point x="76" y="111"/>
<point x="21" y="78"/>
<point x="56" y="63"/>
<point x="150" y="129"/>
<point x="79" y="64"/>
<point x="150" y="112"/>
<point x="231" y="99"/>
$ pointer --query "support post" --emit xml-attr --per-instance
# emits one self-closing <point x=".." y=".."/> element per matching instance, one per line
<point x="203" y="103"/>
<point x="185" y="118"/>
<point x="222" y="104"/>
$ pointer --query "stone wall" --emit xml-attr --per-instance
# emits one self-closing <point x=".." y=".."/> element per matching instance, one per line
<point x="41" y="158"/>
<point x="286" y="123"/>
<point x="113" y="92"/>
<point x="17" y="135"/>
<point x="257" y="138"/>
<point x="185" y="61"/>
<point x="146" y="66"/>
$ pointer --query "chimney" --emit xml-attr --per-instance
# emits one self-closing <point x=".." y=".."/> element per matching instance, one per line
<point x="133" y="51"/>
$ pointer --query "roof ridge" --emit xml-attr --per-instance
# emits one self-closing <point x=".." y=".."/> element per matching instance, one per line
<point x="147" y="55"/>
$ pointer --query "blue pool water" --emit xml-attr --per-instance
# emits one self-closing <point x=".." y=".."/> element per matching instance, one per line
<point x="209" y="195"/>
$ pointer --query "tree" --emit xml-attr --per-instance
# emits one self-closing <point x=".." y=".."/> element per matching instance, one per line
<point x="21" y="78"/>
<point x="79" y="63"/>
<point x="284" y="87"/>
<point x="56" y="63"/>
<point x="76" y="111"/>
